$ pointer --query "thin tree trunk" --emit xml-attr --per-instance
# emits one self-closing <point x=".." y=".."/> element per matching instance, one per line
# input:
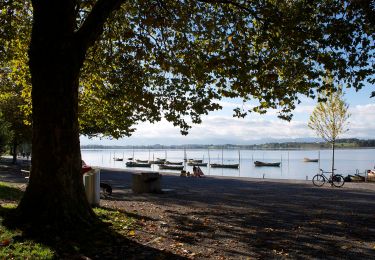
<point x="55" y="194"/>
<point x="333" y="162"/>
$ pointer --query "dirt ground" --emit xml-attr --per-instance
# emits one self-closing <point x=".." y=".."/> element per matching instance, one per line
<point x="242" y="218"/>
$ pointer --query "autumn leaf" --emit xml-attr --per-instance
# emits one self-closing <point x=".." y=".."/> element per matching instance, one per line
<point x="5" y="242"/>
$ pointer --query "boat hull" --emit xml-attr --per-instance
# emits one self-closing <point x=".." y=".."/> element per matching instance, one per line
<point x="197" y="164"/>
<point x="230" y="166"/>
<point x="173" y="163"/>
<point x="171" y="167"/>
<point x="134" y="164"/>
<point x="310" y="160"/>
<point x="141" y="161"/>
<point x="258" y="163"/>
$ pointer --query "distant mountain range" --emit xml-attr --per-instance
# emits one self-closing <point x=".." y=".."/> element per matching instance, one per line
<point x="298" y="143"/>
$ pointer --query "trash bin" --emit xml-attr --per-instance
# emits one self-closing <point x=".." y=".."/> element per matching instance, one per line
<point x="91" y="181"/>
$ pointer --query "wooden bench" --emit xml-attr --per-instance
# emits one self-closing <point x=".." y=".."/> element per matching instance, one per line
<point x="25" y="172"/>
<point x="146" y="182"/>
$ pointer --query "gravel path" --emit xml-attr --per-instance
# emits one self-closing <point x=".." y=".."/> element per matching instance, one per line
<point x="240" y="218"/>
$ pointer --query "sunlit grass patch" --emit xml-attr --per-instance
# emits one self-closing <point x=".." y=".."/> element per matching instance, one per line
<point x="119" y="221"/>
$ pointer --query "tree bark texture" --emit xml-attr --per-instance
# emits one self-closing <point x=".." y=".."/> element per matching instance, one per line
<point x="55" y="194"/>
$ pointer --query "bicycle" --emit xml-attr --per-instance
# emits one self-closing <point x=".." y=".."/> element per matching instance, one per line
<point x="337" y="179"/>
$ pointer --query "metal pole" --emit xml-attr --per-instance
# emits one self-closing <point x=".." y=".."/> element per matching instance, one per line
<point x="222" y="155"/>
<point x="239" y="162"/>
<point x="185" y="161"/>
<point x="209" y="161"/>
<point x="319" y="160"/>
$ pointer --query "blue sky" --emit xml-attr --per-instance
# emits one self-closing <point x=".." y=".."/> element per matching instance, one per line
<point x="220" y="127"/>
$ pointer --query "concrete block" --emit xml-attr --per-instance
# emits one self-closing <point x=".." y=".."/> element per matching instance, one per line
<point x="146" y="182"/>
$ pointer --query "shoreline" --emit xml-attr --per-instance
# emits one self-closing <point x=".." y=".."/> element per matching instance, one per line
<point x="15" y="175"/>
<point x="370" y="186"/>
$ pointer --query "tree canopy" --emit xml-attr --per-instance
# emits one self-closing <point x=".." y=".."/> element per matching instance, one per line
<point x="100" y="66"/>
<point x="177" y="59"/>
<point x="330" y="118"/>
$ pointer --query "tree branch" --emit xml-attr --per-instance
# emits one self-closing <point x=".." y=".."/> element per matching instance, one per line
<point x="238" y="5"/>
<point x="92" y="27"/>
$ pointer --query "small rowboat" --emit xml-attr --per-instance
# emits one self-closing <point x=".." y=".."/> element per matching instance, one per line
<point x="197" y="164"/>
<point x="118" y="159"/>
<point x="156" y="162"/>
<point x="171" y="167"/>
<point x="173" y="163"/>
<point x="310" y="160"/>
<point x="141" y="161"/>
<point x="258" y="163"/>
<point x="135" y="164"/>
<point x="218" y="165"/>
<point x="195" y="161"/>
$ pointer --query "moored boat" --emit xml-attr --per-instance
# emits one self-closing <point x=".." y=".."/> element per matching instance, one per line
<point x="219" y="165"/>
<point x="259" y="163"/>
<point x="310" y="160"/>
<point x="171" y="167"/>
<point x="195" y="161"/>
<point x="135" y="164"/>
<point x="141" y="161"/>
<point x="197" y="164"/>
<point x="173" y="163"/>
<point x="156" y="162"/>
<point x="118" y="159"/>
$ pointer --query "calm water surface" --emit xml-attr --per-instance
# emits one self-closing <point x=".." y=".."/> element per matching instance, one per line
<point x="292" y="165"/>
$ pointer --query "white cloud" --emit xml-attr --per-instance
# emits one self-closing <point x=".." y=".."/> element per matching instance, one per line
<point x="226" y="129"/>
<point x="362" y="121"/>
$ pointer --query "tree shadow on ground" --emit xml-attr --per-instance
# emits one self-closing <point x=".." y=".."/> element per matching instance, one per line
<point x="100" y="241"/>
<point x="269" y="219"/>
<point x="97" y="242"/>
<point x="9" y="193"/>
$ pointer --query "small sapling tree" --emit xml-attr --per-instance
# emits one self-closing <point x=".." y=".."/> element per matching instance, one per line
<point x="330" y="118"/>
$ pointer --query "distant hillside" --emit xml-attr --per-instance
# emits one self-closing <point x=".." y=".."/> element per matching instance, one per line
<point x="341" y="143"/>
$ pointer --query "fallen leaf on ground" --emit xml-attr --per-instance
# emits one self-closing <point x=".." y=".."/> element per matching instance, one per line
<point x="5" y="242"/>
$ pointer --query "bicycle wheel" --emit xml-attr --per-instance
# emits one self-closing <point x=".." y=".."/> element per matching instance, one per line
<point x="318" y="180"/>
<point x="338" y="180"/>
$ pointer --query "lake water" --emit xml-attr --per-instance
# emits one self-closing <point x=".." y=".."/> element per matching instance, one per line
<point x="347" y="161"/>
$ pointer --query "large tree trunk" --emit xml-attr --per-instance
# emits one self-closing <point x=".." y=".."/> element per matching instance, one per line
<point x="55" y="194"/>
